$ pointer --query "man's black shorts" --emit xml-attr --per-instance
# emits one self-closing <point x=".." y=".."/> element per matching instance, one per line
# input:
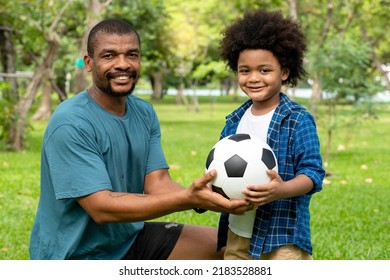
<point x="155" y="241"/>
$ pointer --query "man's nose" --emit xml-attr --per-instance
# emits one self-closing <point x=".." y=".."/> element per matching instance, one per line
<point x="122" y="62"/>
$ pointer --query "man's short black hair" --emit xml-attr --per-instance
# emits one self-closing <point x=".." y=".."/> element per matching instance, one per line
<point x="109" y="26"/>
<point x="268" y="31"/>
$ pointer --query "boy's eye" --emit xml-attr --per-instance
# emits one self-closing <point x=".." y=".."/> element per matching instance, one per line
<point x="243" y="71"/>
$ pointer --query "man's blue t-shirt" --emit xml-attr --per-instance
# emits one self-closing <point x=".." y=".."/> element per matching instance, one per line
<point x="87" y="149"/>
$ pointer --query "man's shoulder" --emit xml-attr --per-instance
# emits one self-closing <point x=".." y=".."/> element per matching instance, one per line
<point x="138" y="101"/>
<point x="71" y="112"/>
<point x="140" y="106"/>
<point x="73" y="104"/>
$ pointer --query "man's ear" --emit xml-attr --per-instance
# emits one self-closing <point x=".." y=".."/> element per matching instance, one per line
<point x="87" y="63"/>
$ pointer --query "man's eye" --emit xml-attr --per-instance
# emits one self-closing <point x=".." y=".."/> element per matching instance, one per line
<point x="134" y="55"/>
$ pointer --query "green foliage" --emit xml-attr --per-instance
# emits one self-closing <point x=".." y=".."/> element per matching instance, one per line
<point x="341" y="63"/>
<point x="375" y="16"/>
<point x="180" y="38"/>
<point x="149" y="18"/>
<point x="213" y="70"/>
<point x="7" y="115"/>
<point x="31" y="22"/>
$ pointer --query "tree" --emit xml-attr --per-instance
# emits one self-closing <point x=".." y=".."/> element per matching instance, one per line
<point x="149" y="18"/>
<point x="7" y="54"/>
<point x="339" y="59"/>
<point x="36" y="38"/>
<point x="362" y="21"/>
<point x="195" y="46"/>
<point x="9" y="84"/>
<point x="42" y="71"/>
<point x="94" y="11"/>
<point x="180" y="46"/>
<point x="344" y="63"/>
<point x="373" y="19"/>
<point x="317" y="25"/>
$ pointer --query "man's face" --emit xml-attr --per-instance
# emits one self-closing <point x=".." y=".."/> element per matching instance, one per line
<point x="115" y="64"/>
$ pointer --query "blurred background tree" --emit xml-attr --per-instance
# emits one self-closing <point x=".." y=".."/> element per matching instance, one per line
<point x="42" y="44"/>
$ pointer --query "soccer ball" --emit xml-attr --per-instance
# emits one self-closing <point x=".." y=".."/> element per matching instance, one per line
<point x="240" y="160"/>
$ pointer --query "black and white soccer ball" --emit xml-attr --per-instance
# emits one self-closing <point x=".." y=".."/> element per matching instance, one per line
<point x="240" y="160"/>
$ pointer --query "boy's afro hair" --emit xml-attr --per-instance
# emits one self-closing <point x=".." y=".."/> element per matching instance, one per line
<point x="267" y="31"/>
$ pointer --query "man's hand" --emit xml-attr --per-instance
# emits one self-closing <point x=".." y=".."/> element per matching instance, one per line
<point x="203" y="197"/>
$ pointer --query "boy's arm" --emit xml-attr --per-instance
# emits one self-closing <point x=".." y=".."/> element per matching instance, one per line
<point x="277" y="189"/>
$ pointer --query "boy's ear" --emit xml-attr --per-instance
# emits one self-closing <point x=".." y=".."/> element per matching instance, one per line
<point x="285" y="73"/>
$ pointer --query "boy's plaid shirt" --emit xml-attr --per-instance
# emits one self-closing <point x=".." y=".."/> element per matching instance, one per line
<point x="293" y="137"/>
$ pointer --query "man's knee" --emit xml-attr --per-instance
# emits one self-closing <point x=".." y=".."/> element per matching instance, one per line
<point x="196" y="242"/>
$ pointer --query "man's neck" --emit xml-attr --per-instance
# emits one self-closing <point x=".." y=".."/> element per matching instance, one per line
<point x="113" y="104"/>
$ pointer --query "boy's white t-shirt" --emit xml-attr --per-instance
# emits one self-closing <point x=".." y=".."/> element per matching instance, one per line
<point x="242" y="225"/>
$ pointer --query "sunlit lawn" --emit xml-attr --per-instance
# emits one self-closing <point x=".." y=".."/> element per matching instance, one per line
<point x="350" y="217"/>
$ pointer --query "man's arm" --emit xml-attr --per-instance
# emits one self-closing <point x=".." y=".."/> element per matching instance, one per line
<point x="162" y="196"/>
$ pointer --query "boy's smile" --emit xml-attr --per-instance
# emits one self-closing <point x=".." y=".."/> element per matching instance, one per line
<point x="260" y="76"/>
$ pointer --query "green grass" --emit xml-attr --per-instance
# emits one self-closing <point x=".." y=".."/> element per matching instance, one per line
<point x="19" y="192"/>
<point x="350" y="217"/>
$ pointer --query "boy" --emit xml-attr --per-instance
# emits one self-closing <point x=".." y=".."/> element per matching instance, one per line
<point x="266" y="51"/>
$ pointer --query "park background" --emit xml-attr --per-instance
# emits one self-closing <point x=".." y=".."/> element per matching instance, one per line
<point x="347" y="90"/>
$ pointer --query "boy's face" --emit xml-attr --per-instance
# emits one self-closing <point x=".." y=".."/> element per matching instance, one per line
<point x="260" y="76"/>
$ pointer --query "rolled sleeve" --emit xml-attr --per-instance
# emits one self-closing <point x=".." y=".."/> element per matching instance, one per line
<point x="308" y="160"/>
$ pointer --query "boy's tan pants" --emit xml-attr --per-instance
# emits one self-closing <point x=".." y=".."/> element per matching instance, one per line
<point x="237" y="248"/>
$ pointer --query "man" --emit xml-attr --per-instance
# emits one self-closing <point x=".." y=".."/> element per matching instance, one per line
<point x="103" y="171"/>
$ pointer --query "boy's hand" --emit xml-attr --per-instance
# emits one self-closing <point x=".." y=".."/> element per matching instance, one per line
<point x="262" y="194"/>
<point x="277" y="189"/>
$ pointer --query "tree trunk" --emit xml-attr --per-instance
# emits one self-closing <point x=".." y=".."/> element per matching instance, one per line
<point x="225" y="86"/>
<point x="195" y="100"/>
<point x="25" y="104"/>
<point x="61" y="95"/>
<point x="329" y="131"/>
<point x="157" y="79"/>
<point x="181" y="98"/>
<point x="316" y="95"/>
<point x="44" y="111"/>
<point x="374" y="57"/>
<point x="293" y="9"/>
<point x="235" y="90"/>
<point x="7" y="52"/>
<point x="316" y="87"/>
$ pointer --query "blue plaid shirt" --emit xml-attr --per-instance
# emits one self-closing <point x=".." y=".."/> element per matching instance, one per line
<point x="292" y="135"/>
